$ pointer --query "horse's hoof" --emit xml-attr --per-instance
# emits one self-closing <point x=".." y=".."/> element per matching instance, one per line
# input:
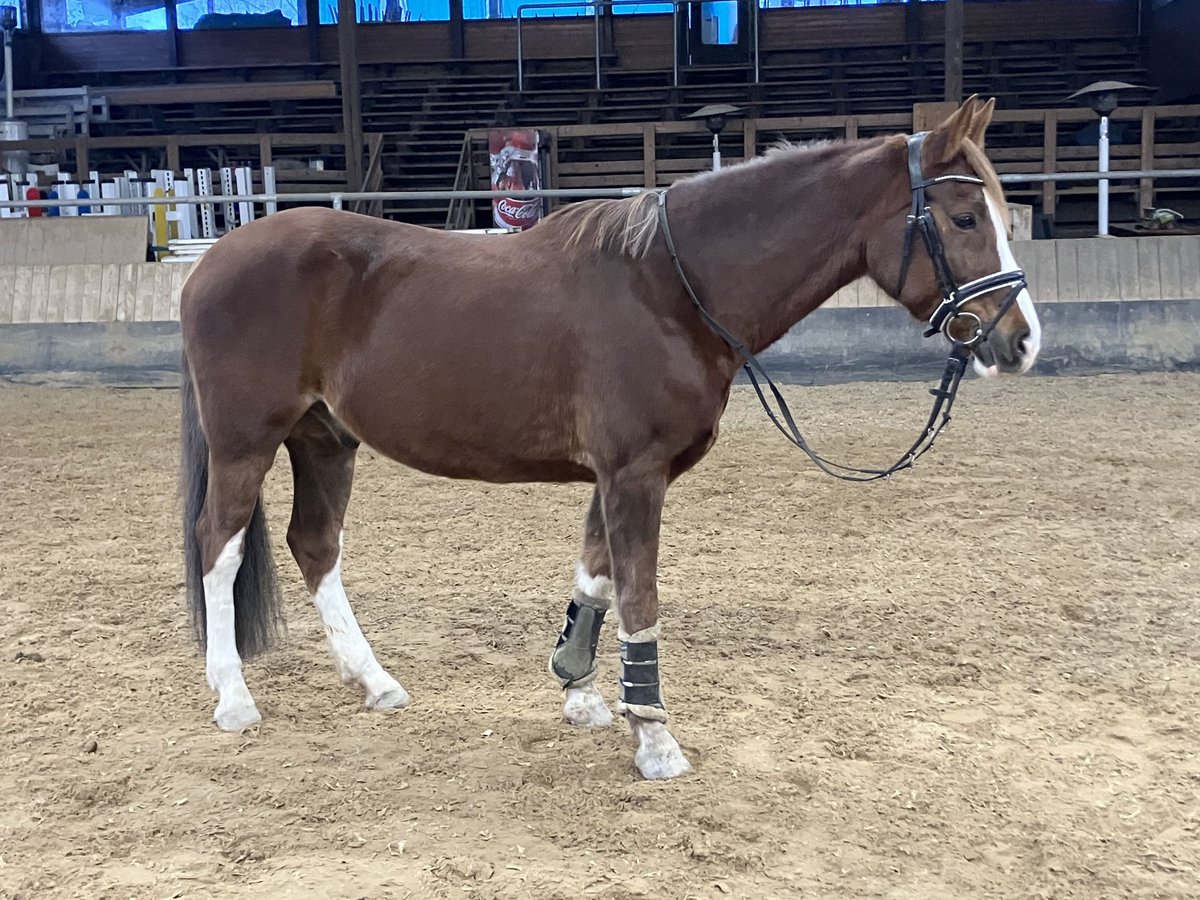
<point x="658" y="755"/>
<point x="237" y="718"/>
<point x="394" y="698"/>
<point x="658" y="767"/>
<point x="585" y="708"/>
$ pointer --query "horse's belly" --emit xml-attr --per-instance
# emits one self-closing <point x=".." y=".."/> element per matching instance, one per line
<point x="493" y="469"/>
<point x="455" y="435"/>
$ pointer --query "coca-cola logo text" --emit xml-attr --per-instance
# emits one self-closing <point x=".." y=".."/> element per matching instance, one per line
<point x="518" y="210"/>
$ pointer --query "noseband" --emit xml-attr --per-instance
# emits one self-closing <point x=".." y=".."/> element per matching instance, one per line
<point x="954" y="298"/>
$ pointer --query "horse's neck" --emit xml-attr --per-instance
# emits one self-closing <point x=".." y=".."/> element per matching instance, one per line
<point x="766" y="243"/>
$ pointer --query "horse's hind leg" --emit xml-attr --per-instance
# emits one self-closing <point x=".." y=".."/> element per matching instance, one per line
<point x="573" y="662"/>
<point x="322" y="455"/>
<point x="224" y="543"/>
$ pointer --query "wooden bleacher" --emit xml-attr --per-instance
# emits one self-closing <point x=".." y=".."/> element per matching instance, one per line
<point x="835" y="65"/>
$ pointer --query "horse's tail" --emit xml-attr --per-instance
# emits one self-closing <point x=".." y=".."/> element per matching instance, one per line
<point x="257" y="613"/>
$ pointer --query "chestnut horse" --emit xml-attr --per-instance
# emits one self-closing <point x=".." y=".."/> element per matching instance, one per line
<point x="569" y="352"/>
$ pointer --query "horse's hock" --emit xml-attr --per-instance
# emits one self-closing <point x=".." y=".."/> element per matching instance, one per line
<point x="82" y="302"/>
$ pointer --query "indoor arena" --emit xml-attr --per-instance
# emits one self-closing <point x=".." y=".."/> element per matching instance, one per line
<point x="531" y="449"/>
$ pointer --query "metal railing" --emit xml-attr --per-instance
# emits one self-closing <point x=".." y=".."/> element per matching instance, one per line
<point x="339" y="199"/>
<point x="336" y="199"/>
<point x="1114" y="175"/>
<point x="596" y="6"/>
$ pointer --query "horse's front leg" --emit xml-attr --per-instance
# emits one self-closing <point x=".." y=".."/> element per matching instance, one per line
<point x="632" y="501"/>
<point x="573" y="661"/>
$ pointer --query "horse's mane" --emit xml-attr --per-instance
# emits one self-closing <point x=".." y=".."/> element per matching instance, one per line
<point x="627" y="226"/>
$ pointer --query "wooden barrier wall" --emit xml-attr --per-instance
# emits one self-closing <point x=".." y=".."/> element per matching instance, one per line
<point x="133" y="292"/>
<point x="63" y="240"/>
<point x="1087" y="270"/>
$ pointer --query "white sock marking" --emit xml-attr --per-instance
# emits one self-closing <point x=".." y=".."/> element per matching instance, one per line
<point x="352" y="655"/>
<point x="223" y="667"/>
<point x="658" y="754"/>
<point x="585" y="706"/>
<point x="599" y="587"/>
<point x="645" y="636"/>
<point x="1008" y="263"/>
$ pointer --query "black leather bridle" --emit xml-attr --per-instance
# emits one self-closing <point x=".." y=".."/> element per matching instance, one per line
<point x="954" y="297"/>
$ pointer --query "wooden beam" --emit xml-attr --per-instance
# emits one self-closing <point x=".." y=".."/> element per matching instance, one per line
<point x="1049" y="160"/>
<point x="649" y="157"/>
<point x="928" y="116"/>
<point x="912" y="22"/>
<point x="749" y="139"/>
<point x="172" y="36"/>
<point x="347" y="30"/>
<point x="158" y="141"/>
<point x="458" y="37"/>
<point x="1146" y="185"/>
<point x="142" y="95"/>
<point x="81" y="159"/>
<point x="954" y="51"/>
<point x="312" y="28"/>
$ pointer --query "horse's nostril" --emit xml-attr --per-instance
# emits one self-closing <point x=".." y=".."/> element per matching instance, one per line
<point x="1021" y="341"/>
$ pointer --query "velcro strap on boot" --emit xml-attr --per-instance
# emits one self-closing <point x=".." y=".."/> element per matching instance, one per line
<point x="573" y="661"/>
<point x="638" y="688"/>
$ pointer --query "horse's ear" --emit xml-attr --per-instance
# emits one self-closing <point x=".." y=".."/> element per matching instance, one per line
<point x="945" y="141"/>
<point x="980" y="122"/>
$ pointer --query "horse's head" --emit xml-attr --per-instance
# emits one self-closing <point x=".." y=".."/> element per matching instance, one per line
<point x="945" y="256"/>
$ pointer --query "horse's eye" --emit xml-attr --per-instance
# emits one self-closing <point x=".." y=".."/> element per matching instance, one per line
<point x="965" y="221"/>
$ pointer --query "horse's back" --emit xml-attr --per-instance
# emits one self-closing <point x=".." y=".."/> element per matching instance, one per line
<point x="404" y="332"/>
<point x="279" y="285"/>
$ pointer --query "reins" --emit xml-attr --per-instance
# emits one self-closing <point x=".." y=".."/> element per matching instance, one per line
<point x="953" y="298"/>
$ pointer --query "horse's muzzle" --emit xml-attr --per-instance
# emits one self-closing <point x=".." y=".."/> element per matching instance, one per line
<point x="1006" y="351"/>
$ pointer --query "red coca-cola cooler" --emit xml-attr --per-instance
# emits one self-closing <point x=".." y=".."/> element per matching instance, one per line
<point x="518" y="164"/>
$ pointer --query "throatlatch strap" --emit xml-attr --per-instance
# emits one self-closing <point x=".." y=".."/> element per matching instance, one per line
<point x="639" y="685"/>
<point x="573" y="662"/>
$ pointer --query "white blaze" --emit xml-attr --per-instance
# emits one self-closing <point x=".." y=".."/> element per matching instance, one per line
<point x="1008" y="263"/>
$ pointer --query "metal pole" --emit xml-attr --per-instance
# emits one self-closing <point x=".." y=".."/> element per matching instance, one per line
<point x="716" y="151"/>
<point x="596" y="29"/>
<point x="953" y="51"/>
<point x="8" y="77"/>
<point x="1103" y="193"/>
<point x="675" y="44"/>
<point x="1112" y="175"/>
<point x="520" y="57"/>
<point x="337" y="199"/>
<point x="755" y="19"/>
